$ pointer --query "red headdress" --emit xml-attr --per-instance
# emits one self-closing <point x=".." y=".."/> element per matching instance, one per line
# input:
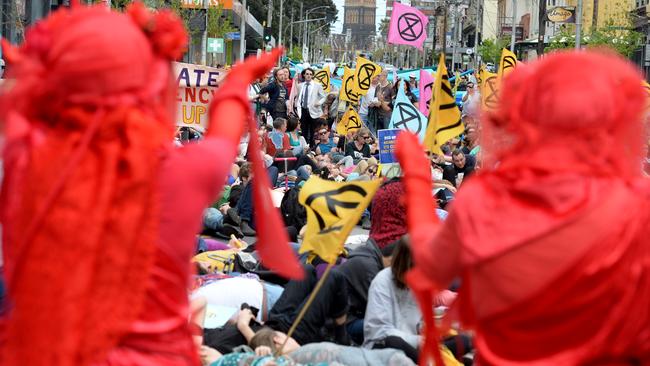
<point x="86" y="121"/>
<point x="552" y="234"/>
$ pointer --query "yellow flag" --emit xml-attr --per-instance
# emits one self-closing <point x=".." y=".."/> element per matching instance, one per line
<point x="507" y="64"/>
<point x="351" y="121"/>
<point x="347" y="92"/>
<point x="323" y="77"/>
<point x="363" y="74"/>
<point x="479" y="76"/>
<point x="333" y="209"/>
<point x="444" y="115"/>
<point x="489" y="90"/>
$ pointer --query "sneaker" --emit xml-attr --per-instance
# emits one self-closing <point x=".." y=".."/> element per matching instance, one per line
<point x="246" y="229"/>
<point x="365" y="223"/>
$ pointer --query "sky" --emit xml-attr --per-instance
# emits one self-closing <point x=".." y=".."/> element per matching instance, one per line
<point x="380" y="14"/>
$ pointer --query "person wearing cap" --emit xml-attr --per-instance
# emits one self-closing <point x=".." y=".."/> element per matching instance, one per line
<point x="413" y="80"/>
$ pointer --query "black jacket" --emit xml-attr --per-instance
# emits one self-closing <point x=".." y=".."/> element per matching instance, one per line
<point x="273" y="89"/>
<point x="360" y="269"/>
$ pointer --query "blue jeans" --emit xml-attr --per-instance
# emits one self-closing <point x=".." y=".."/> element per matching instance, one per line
<point x="355" y="330"/>
<point x="212" y="218"/>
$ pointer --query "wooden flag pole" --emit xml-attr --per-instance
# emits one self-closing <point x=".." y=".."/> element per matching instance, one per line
<point x="304" y="309"/>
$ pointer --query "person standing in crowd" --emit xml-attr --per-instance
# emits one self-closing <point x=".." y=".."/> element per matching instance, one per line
<point x="381" y="109"/>
<point x="278" y="94"/>
<point x="551" y="238"/>
<point x="471" y="100"/>
<point x="413" y="82"/>
<point x="368" y="100"/>
<point x="310" y="97"/>
<point x="101" y="181"/>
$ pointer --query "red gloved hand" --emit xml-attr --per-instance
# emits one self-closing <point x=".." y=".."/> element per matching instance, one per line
<point x="230" y="107"/>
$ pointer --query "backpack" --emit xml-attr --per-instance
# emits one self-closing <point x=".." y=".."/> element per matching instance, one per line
<point x="293" y="212"/>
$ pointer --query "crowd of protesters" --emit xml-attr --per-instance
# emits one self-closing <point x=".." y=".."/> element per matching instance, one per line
<point x="545" y="248"/>
<point x="364" y="313"/>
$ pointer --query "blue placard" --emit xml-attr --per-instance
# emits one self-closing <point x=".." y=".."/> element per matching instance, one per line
<point x="387" y="140"/>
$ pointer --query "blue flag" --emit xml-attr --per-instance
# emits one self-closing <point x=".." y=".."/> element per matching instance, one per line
<point x="406" y="116"/>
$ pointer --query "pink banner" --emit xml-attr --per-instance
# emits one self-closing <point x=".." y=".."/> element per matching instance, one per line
<point x="426" y="86"/>
<point x="407" y="26"/>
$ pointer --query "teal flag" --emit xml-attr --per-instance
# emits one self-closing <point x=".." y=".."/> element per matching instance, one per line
<point x="406" y="116"/>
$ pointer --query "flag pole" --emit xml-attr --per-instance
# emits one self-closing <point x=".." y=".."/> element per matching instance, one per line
<point x="303" y="311"/>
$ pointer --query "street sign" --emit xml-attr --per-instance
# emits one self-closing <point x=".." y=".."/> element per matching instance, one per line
<point x="235" y="36"/>
<point x="215" y="45"/>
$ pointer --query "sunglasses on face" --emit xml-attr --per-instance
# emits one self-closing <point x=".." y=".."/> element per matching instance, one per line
<point x="365" y="137"/>
<point x="308" y="74"/>
<point x="323" y="132"/>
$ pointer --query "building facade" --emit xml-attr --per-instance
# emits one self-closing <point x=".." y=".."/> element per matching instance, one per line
<point x="359" y="18"/>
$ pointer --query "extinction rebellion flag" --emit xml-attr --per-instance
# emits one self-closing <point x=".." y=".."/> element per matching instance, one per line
<point x="407" y="26"/>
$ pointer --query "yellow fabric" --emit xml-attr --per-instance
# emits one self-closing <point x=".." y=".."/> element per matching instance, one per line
<point x="444" y="115"/>
<point x="366" y="70"/>
<point x="489" y="90"/>
<point x="347" y="92"/>
<point x="350" y="122"/>
<point x="333" y="209"/>
<point x="217" y="260"/>
<point x="448" y="358"/>
<point x="507" y="64"/>
<point x="479" y="76"/>
<point x="323" y="77"/>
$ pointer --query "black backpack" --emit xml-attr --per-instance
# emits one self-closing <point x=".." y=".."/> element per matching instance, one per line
<point x="293" y="212"/>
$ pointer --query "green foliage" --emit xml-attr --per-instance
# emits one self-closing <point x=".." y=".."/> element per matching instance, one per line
<point x="295" y="54"/>
<point x="218" y="23"/>
<point x="490" y="49"/>
<point x="383" y="28"/>
<point x="623" y="41"/>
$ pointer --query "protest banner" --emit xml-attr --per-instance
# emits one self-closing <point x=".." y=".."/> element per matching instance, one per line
<point x="196" y="86"/>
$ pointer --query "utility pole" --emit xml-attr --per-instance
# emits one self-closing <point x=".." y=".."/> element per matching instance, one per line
<point x="542" y="28"/>
<point x="291" y="32"/>
<point x="578" y="24"/>
<point x="513" y="36"/>
<point x="594" y="22"/>
<point x="478" y="21"/>
<point x="281" y="17"/>
<point x="454" y="37"/>
<point x="444" y="31"/>
<point x="204" y="36"/>
<point x="269" y="14"/>
<point x="242" y="27"/>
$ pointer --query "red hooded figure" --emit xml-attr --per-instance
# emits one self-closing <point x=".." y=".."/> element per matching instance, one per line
<point x="551" y="239"/>
<point x="99" y="211"/>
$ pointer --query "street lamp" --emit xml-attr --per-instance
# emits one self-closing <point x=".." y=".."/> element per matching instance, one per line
<point x="304" y="33"/>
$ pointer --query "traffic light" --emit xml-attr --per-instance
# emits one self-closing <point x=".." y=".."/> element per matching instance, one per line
<point x="267" y="34"/>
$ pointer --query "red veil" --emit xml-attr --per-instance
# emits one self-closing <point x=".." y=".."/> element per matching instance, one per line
<point x="550" y="238"/>
<point x="85" y="122"/>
